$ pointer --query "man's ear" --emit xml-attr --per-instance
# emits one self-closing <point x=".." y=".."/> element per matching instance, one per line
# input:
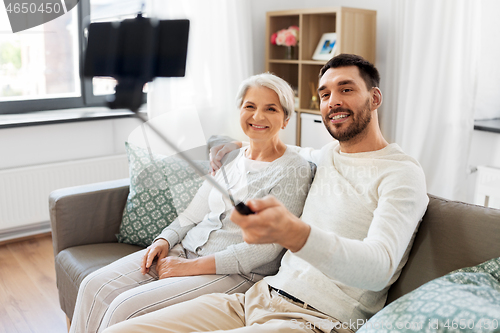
<point x="376" y="98"/>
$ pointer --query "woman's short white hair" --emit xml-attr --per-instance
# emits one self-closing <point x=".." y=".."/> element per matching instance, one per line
<point x="273" y="82"/>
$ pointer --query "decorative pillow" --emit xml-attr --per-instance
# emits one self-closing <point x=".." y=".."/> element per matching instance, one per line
<point x="465" y="300"/>
<point x="160" y="188"/>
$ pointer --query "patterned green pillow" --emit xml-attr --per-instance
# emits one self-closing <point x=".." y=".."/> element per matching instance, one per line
<point x="160" y="188"/>
<point x="465" y="300"/>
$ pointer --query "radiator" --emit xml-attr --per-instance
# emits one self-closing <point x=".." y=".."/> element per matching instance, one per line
<point x="24" y="192"/>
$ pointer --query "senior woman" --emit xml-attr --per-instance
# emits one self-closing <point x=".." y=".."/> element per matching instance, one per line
<point x="202" y="251"/>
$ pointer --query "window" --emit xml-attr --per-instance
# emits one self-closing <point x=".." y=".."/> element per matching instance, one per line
<point x="40" y="67"/>
<point x="107" y="11"/>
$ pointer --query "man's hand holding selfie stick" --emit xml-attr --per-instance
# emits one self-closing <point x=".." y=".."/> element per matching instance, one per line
<point x="272" y="223"/>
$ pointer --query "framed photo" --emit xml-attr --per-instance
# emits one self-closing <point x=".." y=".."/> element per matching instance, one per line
<point x="326" y="47"/>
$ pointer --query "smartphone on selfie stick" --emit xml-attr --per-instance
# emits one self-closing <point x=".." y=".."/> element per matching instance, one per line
<point x="134" y="52"/>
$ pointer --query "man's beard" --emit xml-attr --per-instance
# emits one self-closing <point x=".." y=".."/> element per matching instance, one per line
<point x="360" y="121"/>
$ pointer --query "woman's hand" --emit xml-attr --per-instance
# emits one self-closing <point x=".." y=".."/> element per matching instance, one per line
<point x="219" y="151"/>
<point x="159" y="249"/>
<point x="176" y="266"/>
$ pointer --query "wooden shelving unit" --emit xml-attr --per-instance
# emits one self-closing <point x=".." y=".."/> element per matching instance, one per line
<point x="356" y="33"/>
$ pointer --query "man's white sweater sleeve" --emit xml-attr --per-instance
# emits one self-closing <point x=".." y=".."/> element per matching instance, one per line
<point x="370" y="263"/>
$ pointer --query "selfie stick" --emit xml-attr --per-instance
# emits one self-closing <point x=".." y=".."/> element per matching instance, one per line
<point x="134" y="52"/>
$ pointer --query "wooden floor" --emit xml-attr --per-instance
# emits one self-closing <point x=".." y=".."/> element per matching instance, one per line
<point x="28" y="295"/>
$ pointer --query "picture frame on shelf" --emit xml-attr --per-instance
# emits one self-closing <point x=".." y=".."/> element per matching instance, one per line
<point x="327" y="47"/>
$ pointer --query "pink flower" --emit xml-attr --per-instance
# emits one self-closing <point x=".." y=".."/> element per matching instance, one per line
<point x="280" y="39"/>
<point x="286" y="37"/>
<point x="290" y="40"/>
<point x="273" y="38"/>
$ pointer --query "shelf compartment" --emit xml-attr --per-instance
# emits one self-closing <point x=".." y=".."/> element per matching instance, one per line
<point x="316" y="24"/>
<point x="309" y="74"/>
<point x="287" y="71"/>
<point x="278" y="23"/>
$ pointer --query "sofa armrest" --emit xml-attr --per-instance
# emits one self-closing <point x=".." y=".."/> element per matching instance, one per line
<point x="87" y="214"/>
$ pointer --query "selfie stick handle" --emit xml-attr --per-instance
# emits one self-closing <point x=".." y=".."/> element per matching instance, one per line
<point x="243" y="209"/>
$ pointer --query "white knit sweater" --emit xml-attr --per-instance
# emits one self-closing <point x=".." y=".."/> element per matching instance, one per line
<point x="363" y="209"/>
<point x="205" y="228"/>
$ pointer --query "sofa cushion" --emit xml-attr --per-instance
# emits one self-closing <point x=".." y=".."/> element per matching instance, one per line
<point x="75" y="263"/>
<point x="160" y="188"/>
<point x="462" y="301"/>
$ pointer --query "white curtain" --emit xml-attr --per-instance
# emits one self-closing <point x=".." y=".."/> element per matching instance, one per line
<point x="487" y="101"/>
<point x="219" y="58"/>
<point x="432" y="87"/>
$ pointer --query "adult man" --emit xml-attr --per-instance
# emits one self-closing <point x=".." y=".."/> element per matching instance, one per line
<point x="349" y="245"/>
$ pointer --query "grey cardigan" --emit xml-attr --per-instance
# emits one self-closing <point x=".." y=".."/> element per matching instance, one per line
<point x="205" y="228"/>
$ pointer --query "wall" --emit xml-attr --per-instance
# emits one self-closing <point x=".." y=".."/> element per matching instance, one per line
<point x="484" y="150"/>
<point x="36" y="160"/>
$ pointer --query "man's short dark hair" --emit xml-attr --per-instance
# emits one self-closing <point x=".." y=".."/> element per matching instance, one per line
<point x="366" y="69"/>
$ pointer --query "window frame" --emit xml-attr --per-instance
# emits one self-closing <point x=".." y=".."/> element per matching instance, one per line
<point x="87" y="98"/>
